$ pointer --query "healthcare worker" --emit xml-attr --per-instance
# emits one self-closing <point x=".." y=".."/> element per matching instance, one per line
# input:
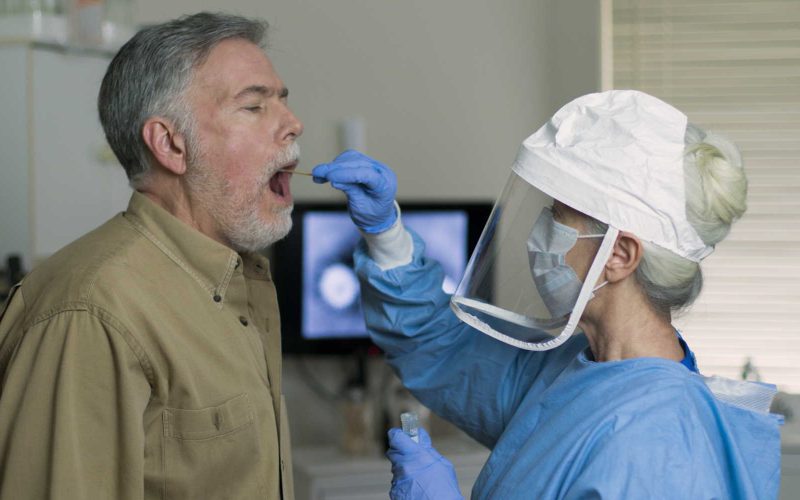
<point x="557" y="349"/>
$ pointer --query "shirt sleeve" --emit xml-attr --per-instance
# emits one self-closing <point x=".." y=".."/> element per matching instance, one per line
<point x="71" y="412"/>
<point x="463" y="375"/>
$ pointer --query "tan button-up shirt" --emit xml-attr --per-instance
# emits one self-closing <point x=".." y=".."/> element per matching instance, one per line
<point x="143" y="361"/>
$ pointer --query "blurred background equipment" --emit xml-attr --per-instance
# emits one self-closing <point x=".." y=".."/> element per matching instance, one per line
<point x="320" y="298"/>
<point x="10" y="275"/>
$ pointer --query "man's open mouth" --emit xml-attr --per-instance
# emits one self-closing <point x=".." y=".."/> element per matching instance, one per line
<point x="279" y="182"/>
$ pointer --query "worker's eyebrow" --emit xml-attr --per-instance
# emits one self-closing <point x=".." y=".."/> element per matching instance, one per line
<point x="263" y="91"/>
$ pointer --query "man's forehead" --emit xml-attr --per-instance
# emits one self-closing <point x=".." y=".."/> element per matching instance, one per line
<point x="237" y="67"/>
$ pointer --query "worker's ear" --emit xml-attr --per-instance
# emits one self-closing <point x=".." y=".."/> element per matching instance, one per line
<point x="166" y="145"/>
<point x="625" y="257"/>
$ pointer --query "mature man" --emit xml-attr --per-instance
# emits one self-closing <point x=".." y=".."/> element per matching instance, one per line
<point x="143" y="360"/>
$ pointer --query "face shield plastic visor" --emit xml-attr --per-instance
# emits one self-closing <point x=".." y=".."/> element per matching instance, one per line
<point x="535" y="267"/>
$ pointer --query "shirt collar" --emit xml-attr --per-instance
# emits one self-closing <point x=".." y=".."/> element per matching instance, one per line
<point x="209" y="262"/>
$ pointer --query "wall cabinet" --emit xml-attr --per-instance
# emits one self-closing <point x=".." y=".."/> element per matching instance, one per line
<point x="58" y="177"/>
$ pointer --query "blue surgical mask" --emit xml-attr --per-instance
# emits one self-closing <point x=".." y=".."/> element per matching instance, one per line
<point x="557" y="283"/>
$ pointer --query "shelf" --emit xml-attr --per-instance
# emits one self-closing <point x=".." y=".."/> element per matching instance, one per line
<point x="53" y="31"/>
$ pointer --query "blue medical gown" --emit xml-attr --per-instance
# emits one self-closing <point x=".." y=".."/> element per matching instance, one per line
<point x="559" y="424"/>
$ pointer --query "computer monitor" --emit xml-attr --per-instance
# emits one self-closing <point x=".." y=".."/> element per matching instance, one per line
<point x="318" y="290"/>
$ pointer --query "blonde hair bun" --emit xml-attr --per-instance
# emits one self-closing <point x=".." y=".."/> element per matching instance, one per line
<point x="716" y="185"/>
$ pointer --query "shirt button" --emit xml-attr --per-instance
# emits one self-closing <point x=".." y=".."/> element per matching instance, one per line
<point x="217" y="298"/>
<point x="243" y="320"/>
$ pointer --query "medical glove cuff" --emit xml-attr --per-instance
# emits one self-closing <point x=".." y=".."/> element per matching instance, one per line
<point x="391" y="248"/>
<point x="384" y="225"/>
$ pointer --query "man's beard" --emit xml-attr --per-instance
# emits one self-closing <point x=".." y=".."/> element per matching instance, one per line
<point x="238" y="215"/>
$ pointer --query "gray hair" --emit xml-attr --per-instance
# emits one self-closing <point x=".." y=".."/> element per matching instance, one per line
<point x="716" y="196"/>
<point x="149" y="77"/>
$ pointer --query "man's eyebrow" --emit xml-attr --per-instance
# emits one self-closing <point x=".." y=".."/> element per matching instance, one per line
<point x="263" y="91"/>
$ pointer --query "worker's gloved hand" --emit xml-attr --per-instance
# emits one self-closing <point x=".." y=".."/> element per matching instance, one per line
<point x="419" y="471"/>
<point x="369" y="185"/>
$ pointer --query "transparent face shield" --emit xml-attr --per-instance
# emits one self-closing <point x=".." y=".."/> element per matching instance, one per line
<point x="533" y="271"/>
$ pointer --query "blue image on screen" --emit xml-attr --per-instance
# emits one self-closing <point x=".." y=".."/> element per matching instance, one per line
<point x="331" y="294"/>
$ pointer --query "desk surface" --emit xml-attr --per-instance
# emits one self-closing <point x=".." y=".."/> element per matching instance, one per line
<point x="328" y="473"/>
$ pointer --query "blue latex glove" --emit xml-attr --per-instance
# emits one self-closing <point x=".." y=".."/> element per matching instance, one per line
<point x="369" y="185"/>
<point x="419" y="471"/>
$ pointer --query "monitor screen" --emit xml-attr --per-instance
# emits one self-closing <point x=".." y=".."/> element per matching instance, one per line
<point x="318" y="290"/>
<point x="331" y="297"/>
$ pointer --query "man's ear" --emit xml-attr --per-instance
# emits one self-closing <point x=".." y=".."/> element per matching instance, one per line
<point x="166" y="145"/>
<point x="625" y="257"/>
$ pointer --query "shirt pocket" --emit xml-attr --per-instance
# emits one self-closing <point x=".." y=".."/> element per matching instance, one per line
<point x="213" y="452"/>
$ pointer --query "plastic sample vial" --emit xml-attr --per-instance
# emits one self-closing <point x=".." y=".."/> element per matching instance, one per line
<point x="410" y="422"/>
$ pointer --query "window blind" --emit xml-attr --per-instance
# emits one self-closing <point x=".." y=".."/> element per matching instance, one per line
<point x="733" y="66"/>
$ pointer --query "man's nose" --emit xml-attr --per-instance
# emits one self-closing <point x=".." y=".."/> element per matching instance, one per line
<point x="294" y="127"/>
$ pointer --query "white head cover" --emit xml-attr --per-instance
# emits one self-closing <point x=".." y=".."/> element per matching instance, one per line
<point x="617" y="156"/>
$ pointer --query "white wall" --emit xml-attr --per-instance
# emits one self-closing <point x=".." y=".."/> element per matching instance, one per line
<point x="14" y="213"/>
<point x="448" y="89"/>
<point x="574" y="57"/>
